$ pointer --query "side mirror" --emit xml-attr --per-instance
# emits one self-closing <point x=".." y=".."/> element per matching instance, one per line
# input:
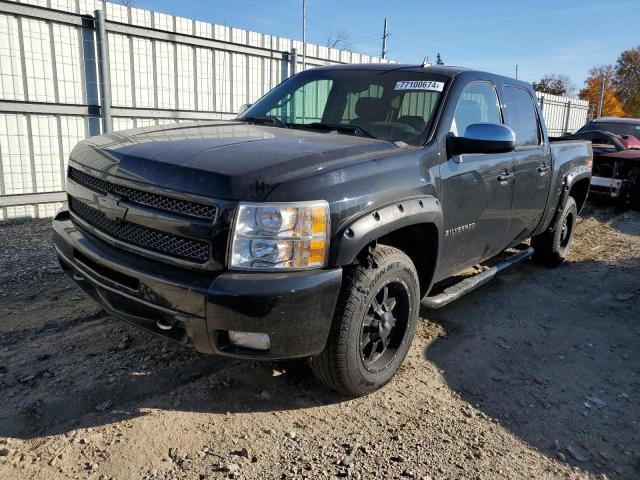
<point x="483" y="138"/>
<point x="244" y="108"/>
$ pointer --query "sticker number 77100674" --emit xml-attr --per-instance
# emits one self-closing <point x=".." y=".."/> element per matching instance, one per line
<point x="420" y="85"/>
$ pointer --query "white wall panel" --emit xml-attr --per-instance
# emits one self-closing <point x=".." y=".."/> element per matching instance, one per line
<point x="16" y="161"/>
<point x="165" y="75"/>
<point x="72" y="130"/>
<point x="11" y="87"/>
<point x="143" y="70"/>
<point x="46" y="153"/>
<point x="65" y="5"/>
<point x="239" y="95"/>
<point x="186" y="82"/>
<point x="37" y="54"/>
<point x="204" y="59"/>
<point x="122" y="123"/>
<point x="68" y="68"/>
<point x="120" y="69"/>
<point x="222" y="75"/>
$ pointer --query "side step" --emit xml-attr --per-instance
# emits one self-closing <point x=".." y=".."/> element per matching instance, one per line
<point x="467" y="285"/>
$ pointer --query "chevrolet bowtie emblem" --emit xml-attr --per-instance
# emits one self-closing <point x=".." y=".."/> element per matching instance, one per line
<point x="110" y="206"/>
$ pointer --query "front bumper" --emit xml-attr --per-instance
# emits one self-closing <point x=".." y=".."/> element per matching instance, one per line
<point x="295" y="308"/>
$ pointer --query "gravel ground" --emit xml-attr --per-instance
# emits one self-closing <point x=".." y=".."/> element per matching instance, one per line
<point x="536" y="375"/>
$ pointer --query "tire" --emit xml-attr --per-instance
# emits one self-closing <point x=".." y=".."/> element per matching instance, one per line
<point x="551" y="248"/>
<point x="371" y="330"/>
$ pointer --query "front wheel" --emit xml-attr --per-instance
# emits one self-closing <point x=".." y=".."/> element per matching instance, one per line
<point x="373" y="325"/>
<point x="551" y="248"/>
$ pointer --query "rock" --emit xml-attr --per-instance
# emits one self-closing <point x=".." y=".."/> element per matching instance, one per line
<point x="83" y="441"/>
<point x="6" y="452"/>
<point x="561" y="457"/>
<point x="576" y="454"/>
<point x="186" y="465"/>
<point x="264" y="395"/>
<point x="623" y="297"/>
<point x="270" y="431"/>
<point x="173" y="453"/>
<point x="103" y="406"/>
<point x="596" y="400"/>
<point x="291" y="434"/>
<point x="152" y="472"/>
<point x="231" y="467"/>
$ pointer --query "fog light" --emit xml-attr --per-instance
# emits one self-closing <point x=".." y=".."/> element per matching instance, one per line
<point x="256" y="341"/>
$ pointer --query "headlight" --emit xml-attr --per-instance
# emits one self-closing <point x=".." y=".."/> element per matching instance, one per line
<point x="280" y="235"/>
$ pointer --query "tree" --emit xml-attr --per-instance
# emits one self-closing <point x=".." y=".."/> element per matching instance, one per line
<point x="439" y="60"/>
<point x="340" y="39"/>
<point x="611" y="104"/>
<point x="555" y="84"/>
<point x="627" y="80"/>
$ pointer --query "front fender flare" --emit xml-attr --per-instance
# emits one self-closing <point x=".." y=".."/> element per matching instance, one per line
<point x="356" y="235"/>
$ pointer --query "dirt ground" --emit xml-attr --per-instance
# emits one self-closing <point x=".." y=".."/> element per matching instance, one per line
<point x="536" y="375"/>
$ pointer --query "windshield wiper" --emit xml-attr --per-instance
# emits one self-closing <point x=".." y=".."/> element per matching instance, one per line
<point x="342" y="127"/>
<point x="266" y="119"/>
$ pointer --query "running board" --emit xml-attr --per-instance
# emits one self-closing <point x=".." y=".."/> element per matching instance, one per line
<point x="467" y="285"/>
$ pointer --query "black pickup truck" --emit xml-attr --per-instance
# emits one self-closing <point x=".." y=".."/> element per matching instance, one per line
<point x="317" y="222"/>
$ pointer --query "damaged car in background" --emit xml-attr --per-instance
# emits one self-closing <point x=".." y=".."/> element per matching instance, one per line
<point x="616" y="158"/>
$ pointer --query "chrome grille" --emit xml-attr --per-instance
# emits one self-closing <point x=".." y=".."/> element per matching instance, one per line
<point x="182" y="207"/>
<point x="171" y="245"/>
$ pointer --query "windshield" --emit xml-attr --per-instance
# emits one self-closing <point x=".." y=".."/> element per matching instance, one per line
<point x="395" y="105"/>
<point x="613" y="127"/>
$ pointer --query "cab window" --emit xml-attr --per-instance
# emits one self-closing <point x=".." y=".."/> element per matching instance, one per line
<point x="522" y="116"/>
<point x="477" y="104"/>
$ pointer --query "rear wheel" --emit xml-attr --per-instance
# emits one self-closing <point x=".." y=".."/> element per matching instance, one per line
<point x="373" y="325"/>
<point x="551" y="248"/>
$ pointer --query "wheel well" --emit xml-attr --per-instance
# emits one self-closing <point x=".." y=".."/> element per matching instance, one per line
<point x="420" y="243"/>
<point x="579" y="191"/>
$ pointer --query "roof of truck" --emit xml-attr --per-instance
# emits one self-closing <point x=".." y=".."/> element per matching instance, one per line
<point x="437" y="69"/>
<point x="632" y="121"/>
<point x="445" y="71"/>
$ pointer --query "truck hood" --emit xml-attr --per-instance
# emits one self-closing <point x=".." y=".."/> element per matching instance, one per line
<point x="226" y="160"/>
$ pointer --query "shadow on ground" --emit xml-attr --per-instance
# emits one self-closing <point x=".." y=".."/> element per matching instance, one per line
<point x="554" y="356"/>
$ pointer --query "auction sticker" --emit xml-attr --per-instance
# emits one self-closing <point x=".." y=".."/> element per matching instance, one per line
<point x="420" y="85"/>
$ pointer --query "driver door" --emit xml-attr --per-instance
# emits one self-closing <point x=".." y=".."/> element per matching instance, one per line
<point x="477" y="189"/>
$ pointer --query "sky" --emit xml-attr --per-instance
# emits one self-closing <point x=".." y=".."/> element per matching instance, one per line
<point x="563" y="37"/>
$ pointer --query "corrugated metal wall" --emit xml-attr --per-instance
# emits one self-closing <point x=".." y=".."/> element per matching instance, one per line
<point x="563" y="114"/>
<point x="162" y="68"/>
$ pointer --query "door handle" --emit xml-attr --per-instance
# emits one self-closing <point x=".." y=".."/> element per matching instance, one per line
<point x="505" y="178"/>
<point x="543" y="169"/>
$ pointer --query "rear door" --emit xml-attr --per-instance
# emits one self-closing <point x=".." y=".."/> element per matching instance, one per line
<point x="532" y="162"/>
<point x="476" y="200"/>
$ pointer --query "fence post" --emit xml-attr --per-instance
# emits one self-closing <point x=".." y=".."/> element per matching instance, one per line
<point x="567" y="116"/>
<point x="294" y="61"/>
<point x="103" y="72"/>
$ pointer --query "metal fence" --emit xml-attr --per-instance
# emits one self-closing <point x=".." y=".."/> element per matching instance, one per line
<point x="563" y="115"/>
<point x="162" y="69"/>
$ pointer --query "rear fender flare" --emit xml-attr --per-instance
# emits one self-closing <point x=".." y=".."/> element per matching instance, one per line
<point x="571" y="178"/>
<point x="356" y="235"/>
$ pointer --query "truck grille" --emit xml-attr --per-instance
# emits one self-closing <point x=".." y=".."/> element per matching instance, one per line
<point x="182" y="207"/>
<point x="167" y="244"/>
